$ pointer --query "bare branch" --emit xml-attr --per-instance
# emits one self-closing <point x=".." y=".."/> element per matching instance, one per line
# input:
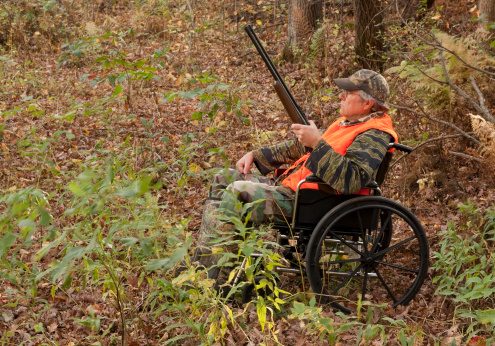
<point x="480" y="94"/>
<point x="11" y="133"/>
<point x="426" y="142"/>
<point x="426" y="74"/>
<point x="484" y="113"/>
<point x="446" y="123"/>
<point x="465" y="156"/>
<point x="438" y="45"/>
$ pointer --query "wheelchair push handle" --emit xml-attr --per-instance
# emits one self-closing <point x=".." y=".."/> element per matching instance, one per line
<point x="400" y="147"/>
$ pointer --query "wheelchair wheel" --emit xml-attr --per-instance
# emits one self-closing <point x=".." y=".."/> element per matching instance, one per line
<point x="368" y="249"/>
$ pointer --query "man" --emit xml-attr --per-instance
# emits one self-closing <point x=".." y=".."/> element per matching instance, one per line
<point x="346" y="156"/>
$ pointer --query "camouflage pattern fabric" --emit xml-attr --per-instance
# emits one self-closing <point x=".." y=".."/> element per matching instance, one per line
<point x="227" y="189"/>
<point x="371" y="82"/>
<point x="275" y="202"/>
<point x="364" y="119"/>
<point x="347" y="174"/>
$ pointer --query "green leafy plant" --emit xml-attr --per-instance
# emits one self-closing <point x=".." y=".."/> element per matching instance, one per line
<point x="424" y="67"/>
<point x="464" y="266"/>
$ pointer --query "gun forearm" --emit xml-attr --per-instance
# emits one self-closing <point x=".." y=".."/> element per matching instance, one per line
<point x="291" y="109"/>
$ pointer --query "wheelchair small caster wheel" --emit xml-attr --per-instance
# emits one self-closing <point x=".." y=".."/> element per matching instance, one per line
<point x="249" y="291"/>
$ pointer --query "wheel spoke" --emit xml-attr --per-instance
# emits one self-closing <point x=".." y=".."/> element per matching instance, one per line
<point x="363" y="233"/>
<point x="347" y="279"/>
<point x="343" y="241"/>
<point x="384" y="251"/>
<point x="384" y="284"/>
<point x="380" y="235"/>
<point x="398" y="267"/>
<point x="374" y="221"/>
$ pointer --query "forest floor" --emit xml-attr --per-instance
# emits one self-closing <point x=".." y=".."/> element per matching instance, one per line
<point x="166" y="104"/>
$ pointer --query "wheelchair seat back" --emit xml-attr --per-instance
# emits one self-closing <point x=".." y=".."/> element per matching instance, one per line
<point x="314" y="204"/>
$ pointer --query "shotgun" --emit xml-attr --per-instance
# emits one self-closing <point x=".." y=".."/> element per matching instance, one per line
<point x="295" y="112"/>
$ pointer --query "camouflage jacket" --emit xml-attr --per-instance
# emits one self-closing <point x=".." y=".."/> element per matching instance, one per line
<point x="347" y="174"/>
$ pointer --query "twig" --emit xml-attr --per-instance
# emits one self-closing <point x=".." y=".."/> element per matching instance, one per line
<point x="157" y="104"/>
<point x="446" y="123"/>
<point x="466" y="156"/>
<point x="192" y="17"/>
<point x="484" y="113"/>
<point x="424" y="73"/>
<point x="481" y="107"/>
<point x="426" y="142"/>
<point x="11" y="133"/>
<point x="438" y="45"/>
<point x="116" y="281"/>
<point x="480" y="94"/>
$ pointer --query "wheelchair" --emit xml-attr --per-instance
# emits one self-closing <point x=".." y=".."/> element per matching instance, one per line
<point x="354" y="249"/>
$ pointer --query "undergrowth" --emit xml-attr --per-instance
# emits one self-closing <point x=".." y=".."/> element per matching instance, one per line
<point x="102" y="145"/>
<point x="464" y="266"/>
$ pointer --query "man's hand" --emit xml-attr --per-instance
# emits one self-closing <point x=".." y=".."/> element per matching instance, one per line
<point x="308" y="135"/>
<point x="244" y="164"/>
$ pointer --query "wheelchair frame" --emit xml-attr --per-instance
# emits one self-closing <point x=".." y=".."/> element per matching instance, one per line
<point x="353" y="243"/>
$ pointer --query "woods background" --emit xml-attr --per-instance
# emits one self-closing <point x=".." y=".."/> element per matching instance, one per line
<point x="115" y="114"/>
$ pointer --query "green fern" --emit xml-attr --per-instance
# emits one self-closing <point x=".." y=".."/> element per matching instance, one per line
<point x="317" y="45"/>
<point x="430" y="64"/>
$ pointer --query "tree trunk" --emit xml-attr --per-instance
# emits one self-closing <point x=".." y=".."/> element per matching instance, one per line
<point x="303" y="21"/>
<point x="368" y="17"/>
<point x="487" y="10"/>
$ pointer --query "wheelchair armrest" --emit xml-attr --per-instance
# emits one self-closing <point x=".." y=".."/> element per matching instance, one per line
<point x="372" y="185"/>
<point x="322" y="186"/>
<point x="400" y="147"/>
<point x="314" y="179"/>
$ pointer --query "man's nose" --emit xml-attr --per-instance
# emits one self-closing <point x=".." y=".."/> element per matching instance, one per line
<point x="341" y="96"/>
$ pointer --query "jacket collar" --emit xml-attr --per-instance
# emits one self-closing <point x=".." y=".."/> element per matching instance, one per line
<point x="364" y="119"/>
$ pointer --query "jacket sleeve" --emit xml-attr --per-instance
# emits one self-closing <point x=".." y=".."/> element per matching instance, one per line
<point x="353" y="171"/>
<point x="270" y="158"/>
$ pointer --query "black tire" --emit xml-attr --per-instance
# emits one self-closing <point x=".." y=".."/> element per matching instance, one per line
<point x="387" y="259"/>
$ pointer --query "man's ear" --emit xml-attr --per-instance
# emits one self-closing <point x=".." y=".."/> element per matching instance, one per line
<point x="368" y="104"/>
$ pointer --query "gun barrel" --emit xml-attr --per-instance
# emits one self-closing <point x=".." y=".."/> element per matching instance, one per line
<point x="261" y="50"/>
<point x="283" y="91"/>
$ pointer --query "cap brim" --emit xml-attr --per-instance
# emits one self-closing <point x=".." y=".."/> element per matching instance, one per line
<point x="345" y="84"/>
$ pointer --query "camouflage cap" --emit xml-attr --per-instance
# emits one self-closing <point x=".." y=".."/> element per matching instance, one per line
<point x="371" y="82"/>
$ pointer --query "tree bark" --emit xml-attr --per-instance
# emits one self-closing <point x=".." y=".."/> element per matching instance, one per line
<point x="304" y="16"/>
<point x="487" y="10"/>
<point x="368" y="24"/>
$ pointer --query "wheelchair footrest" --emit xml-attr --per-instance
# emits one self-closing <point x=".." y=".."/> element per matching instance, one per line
<point x="291" y="270"/>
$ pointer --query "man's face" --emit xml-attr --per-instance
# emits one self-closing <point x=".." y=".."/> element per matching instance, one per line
<point x="352" y="105"/>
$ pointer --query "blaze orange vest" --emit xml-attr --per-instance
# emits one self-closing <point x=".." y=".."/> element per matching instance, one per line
<point x="339" y="138"/>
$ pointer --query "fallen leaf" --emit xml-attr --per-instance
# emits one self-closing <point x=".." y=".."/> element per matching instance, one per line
<point x="52" y="327"/>
<point x="6" y="316"/>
